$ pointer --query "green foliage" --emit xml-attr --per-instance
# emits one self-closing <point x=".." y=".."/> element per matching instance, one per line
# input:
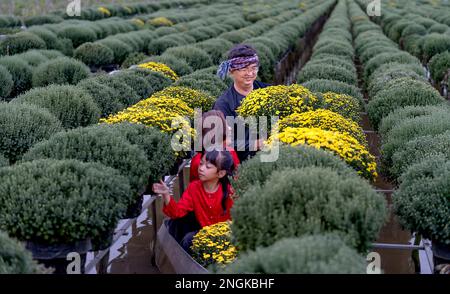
<point x="94" y="54"/>
<point x="62" y="70"/>
<point x="77" y="34"/>
<point x="203" y="82"/>
<point x="21" y="42"/>
<point x="20" y="71"/>
<point x="135" y="81"/>
<point x="14" y="258"/>
<point x="435" y="44"/>
<point x="403" y="113"/>
<point x="310" y="254"/>
<point x="133" y="59"/>
<point x="418" y="149"/>
<point x="256" y="172"/>
<point x="60" y="202"/>
<point x="422" y="201"/>
<point x="72" y="106"/>
<point x="323" y="86"/>
<point x="215" y="48"/>
<point x="406" y="93"/>
<point x="22" y="126"/>
<point x="96" y="145"/>
<point x="409" y="129"/>
<point x="6" y="81"/>
<point x="119" y="48"/>
<point x="440" y="66"/>
<point x="195" y="57"/>
<point x="179" y="66"/>
<point x="297" y="202"/>
<point x="380" y="59"/>
<point x="323" y="71"/>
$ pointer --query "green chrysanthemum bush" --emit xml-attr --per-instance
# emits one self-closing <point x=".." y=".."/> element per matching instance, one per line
<point x="94" y="54"/>
<point x="422" y="201"/>
<point x="390" y="78"/>
<point x="332" y="60"/>
<point x="96" y="145"/>
<point x="71" y="105"/>
<point x="3" y="161"/>
<point x="297" y="202"/>
<point x="401" y="114"/>
<point x="14" y="258"/>
<point x="154" y="143"/>
<point x="255" y="171"/>
<point x="435" y="44"/>
<point x="77" y="34"/>
<point x="325" y="120"/>
<point x="6" y="81"/>
<point x="21" y="73"/>
<point x="120" y="49"/>
<point x="409" y="129"/>
<point x="21" y="42"/>
<point x="62" y="70"/>
<point x="34" y="58"/>
<point x="193" y="98"/>
<point x="323" y="86"/>
<point x="407" y="93"/>
<point x="440" y="66"/>
<point x="203" y="82"/>
<point x="135" y="81"/>
<point x="179" y="66"/>
<point x="22" y="126"/>
<point x="324" y="71"/>
<point x="278" y="101"/>
<point x="195" y="57"/>
<point x="388" y="57"/>
<point x="348" y="148"/>
<point x="419" y="148"/>
<point x="309" y="254"/>
<point x="58" y="202"/>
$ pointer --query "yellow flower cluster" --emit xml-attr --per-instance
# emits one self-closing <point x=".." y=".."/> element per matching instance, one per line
<point x="161" y="22"/>
<point x="138" y="22"/>
<point x="325" y="120"/>
<point x="278" y="101"/>
<point x="212" y="245"/>
<point x="343" y="145"/>
<point x="104" y="10"/>
<point x="345" y="105"/>
<point x="160" y="67"/>
<point x="160" y="112"/>
<point x="193" y="98"/>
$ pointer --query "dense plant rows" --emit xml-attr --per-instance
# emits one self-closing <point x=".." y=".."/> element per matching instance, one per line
<point x="50" y="135"/>
<point x="314" y="190"/>
<point x="412" y="120"/>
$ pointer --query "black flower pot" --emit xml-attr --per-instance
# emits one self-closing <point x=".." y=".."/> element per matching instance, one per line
<point x="55" y="256"/>
<point x="134" y="209"/>
<point x="441" y="253"/>
<point x="103" y="241"/>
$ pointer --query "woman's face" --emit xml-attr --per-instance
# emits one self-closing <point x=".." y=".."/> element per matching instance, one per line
<point x="245" y="76"/>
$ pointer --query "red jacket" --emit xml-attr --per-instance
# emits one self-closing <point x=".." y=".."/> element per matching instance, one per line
<point x="206" y="207"/>
<point x="195" y="163"/>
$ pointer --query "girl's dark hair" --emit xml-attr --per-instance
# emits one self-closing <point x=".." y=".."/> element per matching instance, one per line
<point x="222" y="160"/>
<point x="207" y="131"/>
<point x="241" y="50"/>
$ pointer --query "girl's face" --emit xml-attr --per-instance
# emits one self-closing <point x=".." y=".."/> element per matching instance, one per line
<point x="208" y="171"/>
<point x="245" y="76"/>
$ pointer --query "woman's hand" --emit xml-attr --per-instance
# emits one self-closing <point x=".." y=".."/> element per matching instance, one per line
<point x="161" y="188"/>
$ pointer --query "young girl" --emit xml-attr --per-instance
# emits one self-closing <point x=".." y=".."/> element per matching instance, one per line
<point x="209" y="134"/>
<point x="209" y="197"/>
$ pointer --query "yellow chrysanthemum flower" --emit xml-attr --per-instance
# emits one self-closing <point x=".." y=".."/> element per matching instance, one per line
<point x="342" y="145"/>
<point x="326" y="120"/>
<point x="161" y="22"/>
<point x="193" y="98"/>
<point x="278" y="101"/>
<point x="160" y="67"/>
<point x="104" y="10"/>
<point x="212" y="245"/>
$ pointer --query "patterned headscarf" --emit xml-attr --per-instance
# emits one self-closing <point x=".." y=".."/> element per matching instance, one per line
<point x="236" y="63"/>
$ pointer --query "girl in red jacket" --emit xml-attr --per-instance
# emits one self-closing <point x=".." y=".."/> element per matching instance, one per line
<point x="208" y="135"/>
<point x="210" y="197"/>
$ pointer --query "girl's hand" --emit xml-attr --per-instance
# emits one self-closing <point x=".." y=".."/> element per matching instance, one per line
<point x="161" y="188"/>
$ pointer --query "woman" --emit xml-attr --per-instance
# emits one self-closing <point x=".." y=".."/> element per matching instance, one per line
<point x="242" y="66"/>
